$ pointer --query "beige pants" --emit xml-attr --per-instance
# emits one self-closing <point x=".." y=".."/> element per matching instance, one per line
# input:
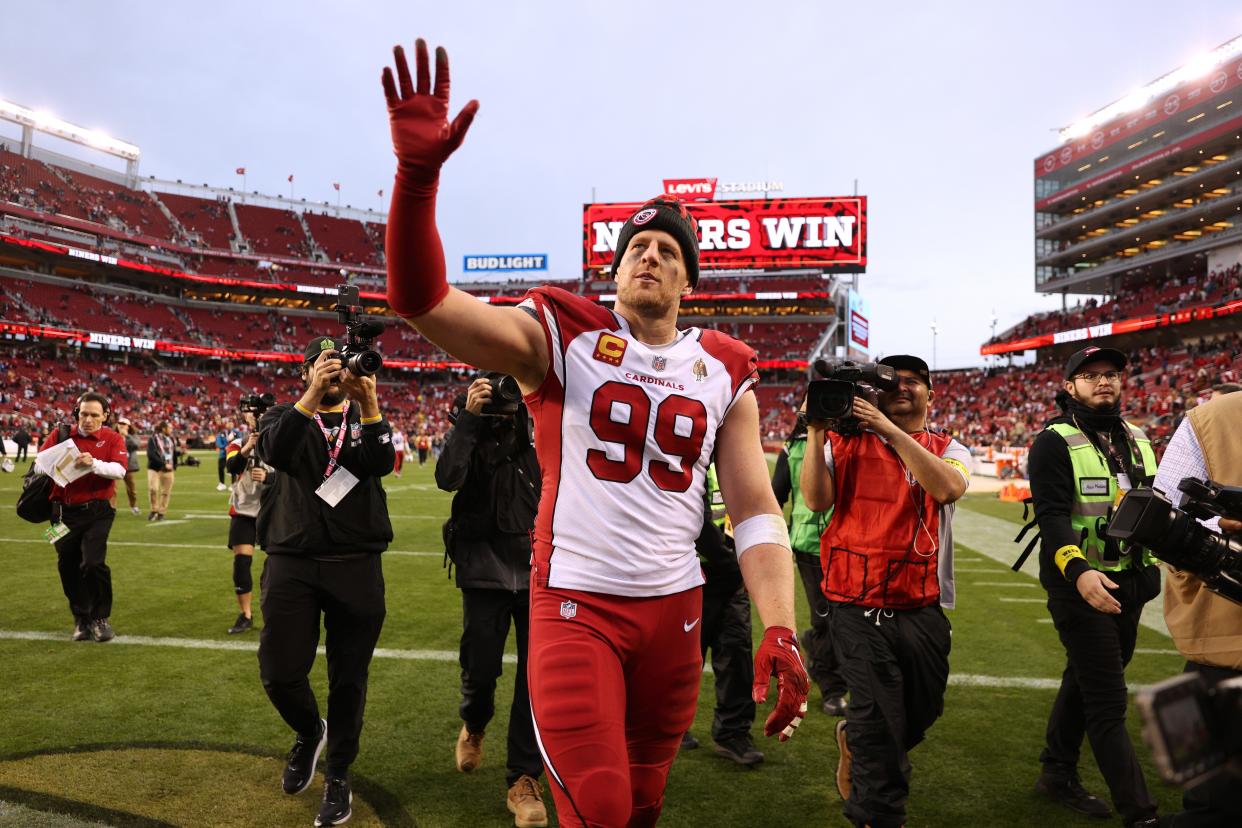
<point x="159" y="487"/>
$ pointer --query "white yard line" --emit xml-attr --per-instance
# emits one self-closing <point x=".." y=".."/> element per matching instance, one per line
<point x="1016" y="584"/>
<point x="993" y="537"/>
<point x="156" y="547"/>
<point x="1022" y="600"/>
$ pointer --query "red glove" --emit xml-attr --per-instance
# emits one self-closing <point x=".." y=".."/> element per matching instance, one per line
<point x="422" y="139"/>
<point x="778" y="655"/>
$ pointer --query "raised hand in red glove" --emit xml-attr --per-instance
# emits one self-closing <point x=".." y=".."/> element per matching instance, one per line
<point x="422" y="136"/>
<point x="778" y="656"/>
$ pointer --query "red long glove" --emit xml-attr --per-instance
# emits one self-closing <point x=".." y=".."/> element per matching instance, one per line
<point x="422" y="139"/>
<point x="778" y="655"/>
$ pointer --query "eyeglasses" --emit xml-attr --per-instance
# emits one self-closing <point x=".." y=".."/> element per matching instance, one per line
<point x="1095" y="376"/>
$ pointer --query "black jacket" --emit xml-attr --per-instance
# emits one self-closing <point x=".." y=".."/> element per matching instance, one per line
<point x="293" y="520"/>
<point x="1052" y="491"/>
<point x="157" y="461"/>
<point x="491" y="465"/>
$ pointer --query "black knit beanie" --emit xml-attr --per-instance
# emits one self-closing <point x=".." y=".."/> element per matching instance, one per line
<point x="670" y="215"/>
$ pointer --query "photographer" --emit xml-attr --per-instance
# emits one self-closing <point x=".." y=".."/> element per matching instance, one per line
<point x="489" y="462"/>
<point x="323" y="524"/>
<point x="888" y="561"/>
<point x="805" y="529"/>
<point x="250" y="476"/>
<point x="1096" y="589"/>
<point x="162" y="456"/>
<point x="1206" y="627"/>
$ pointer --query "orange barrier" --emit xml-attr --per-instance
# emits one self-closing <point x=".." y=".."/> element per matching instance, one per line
<point x="1013" y="493"/>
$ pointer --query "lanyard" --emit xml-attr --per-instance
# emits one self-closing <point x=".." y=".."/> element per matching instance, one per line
<point x="334" y="451"/>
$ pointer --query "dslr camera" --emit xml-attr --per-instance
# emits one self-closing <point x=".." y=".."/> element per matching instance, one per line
<point x="1147" y="518"/>
<point x="831" y="399"/>
<point x="256" y="404"/>
<point x="506" y="396"/>
<point x="357" y="354"/>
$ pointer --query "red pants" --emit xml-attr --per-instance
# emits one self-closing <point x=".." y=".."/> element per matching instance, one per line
<point x="614" y="683"/>
<point x="397" y="465"/>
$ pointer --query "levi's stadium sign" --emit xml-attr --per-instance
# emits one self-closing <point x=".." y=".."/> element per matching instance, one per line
<point x="771" y="234"/>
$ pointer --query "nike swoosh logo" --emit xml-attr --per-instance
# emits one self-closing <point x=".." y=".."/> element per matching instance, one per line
<point x="688" y="626"/>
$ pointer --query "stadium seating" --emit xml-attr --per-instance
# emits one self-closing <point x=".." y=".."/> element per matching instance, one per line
<point x="207" y="218"/>
<point x="273" y="232"/>
<point x="343" y="240"/>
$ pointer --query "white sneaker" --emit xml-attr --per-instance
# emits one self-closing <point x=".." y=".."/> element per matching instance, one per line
<point x="135" y="510"/>
<point x="220" y="487"/>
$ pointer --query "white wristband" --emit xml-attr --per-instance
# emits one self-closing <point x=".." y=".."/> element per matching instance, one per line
<point x="760" y="529"/>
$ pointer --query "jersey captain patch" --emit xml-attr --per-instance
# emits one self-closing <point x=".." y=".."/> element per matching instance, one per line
<point x="610" y="349"/>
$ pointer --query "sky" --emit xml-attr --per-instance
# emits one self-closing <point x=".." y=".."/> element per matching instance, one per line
<point x="936" y="110"/>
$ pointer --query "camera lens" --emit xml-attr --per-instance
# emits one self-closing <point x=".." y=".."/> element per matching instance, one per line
<point x="364" y="364"/>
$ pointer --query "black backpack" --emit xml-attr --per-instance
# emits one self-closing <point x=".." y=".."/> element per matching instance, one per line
<point x="35" y="501"/>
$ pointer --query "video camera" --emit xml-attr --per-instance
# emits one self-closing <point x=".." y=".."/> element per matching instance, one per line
<point x="357" y="355"/>
<point x="1194" y="730"/>
<point x="831" y="399"/>
<point x="1148" y="518"/>
<point x="256" y="404"/>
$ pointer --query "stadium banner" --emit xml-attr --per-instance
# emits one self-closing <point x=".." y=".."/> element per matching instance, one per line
<point x="691" y="189"/>
<point x="504" y="263"/>
<point x="771" y="234"/>
<point x="1123" y="326"/>
<point x="1173" y="103"/>
<point x="859" y="341"/>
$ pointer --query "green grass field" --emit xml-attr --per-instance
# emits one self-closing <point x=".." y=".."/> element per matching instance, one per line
<point x="159" y="732"/>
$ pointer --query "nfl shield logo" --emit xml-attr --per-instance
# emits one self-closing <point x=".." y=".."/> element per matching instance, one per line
<point x="658" y="363"/>
<point x="568" y="609"/>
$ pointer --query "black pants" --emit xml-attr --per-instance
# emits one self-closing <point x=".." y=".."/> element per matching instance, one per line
<point x="896" y="666"/>
<point x="1215" y="803"/>
<point x="1092" y="699"/>
<point x="21" y="451"/>
<point x="350" y="594"/>
<point x="817" y="644"/>
<point x="81" y="556"/>
<point x="726" y="632"/>
<point x="486" y="616"/>
<point x="220" y="469"/>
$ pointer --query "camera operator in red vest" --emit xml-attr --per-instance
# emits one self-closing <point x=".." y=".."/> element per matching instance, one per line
<point x="888" y="570"/>
<point x="85" y="510"/>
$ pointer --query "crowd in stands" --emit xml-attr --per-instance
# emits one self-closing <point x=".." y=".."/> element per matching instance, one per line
<point x="1173" y="294"/>
<point x="1008" y="406"/>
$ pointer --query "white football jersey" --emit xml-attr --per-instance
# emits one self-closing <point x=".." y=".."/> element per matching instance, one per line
<point x="624" y="433"/>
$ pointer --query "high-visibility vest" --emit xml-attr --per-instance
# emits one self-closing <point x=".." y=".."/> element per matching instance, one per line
<point x="805" y="526"/>
<point x="1096" y="492"/>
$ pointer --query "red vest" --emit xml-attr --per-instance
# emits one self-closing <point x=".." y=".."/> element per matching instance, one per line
<point x="882" y="547"/>
<point x="106" y="445"/>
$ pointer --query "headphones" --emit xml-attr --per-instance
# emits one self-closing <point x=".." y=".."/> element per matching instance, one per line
<point x="77" y="406"/>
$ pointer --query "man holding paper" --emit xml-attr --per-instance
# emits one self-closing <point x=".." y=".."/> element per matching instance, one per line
<point x="85" y="468"/>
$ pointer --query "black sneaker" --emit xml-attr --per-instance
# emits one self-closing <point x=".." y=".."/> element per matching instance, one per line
<point x="102" y="630"/>
<point x="241" y="624"/>
<point x="834" y="705"/>
<point x="688" y="742"/>
<point x="337" y="799"/>
<point x="82" y="630"/>
<point x="150" y="516"/>
<point x="740" y="750"/>
<point x="303" y="756"/>
<point x="1068" y="791"/>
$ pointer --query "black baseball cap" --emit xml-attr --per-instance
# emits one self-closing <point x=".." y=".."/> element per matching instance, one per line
<point x="907" y="362"/>
<point x="316" y="347"/>
<point x="1093" y="353"/>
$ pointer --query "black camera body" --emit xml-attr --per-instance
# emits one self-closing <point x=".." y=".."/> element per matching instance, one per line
<point x="1194" y="729"/>
<point x="506" y="396"/>
<point x="359" y="358"/>
<point x="256" y="404"/>
<point x="1147" y="518"/>
<point x="831" y="399"/>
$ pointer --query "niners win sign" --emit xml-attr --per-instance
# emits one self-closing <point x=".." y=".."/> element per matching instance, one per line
<point x="778" y="233"/>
